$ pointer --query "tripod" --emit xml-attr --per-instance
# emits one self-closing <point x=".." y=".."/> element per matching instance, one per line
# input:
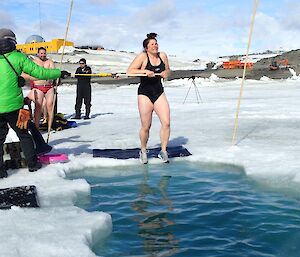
<point x="198" y="96"/>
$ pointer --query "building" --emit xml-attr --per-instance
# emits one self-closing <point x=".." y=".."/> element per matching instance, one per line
<point x="35" y="41"/>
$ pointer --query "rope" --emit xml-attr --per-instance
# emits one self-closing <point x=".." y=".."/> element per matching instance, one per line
<point x="50" y="120"/>
<point x="114" y="75"/>
<point x="244" y="72"/>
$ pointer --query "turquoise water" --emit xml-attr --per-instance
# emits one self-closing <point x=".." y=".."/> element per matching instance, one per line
<point x="192" y="209"/>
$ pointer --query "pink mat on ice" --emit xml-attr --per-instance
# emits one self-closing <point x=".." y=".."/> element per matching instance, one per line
<point x="53" y="158"/>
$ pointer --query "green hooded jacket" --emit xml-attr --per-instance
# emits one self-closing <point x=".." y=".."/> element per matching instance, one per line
<point x="11" y="96"/>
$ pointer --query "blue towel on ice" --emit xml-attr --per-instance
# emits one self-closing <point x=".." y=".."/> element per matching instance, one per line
<point x="173" y="151"/>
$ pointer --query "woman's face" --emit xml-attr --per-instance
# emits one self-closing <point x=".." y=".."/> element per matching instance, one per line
<point x="152" y="46"/>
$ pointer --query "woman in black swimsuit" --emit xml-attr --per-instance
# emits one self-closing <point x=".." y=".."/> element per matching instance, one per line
<point x="151" y="96"/>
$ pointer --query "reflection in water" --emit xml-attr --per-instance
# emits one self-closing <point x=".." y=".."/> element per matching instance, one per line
<point x="155" y="225"/>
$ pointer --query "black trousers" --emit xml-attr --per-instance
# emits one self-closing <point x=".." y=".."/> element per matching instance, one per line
<point x="84" y="93"/>
<point x="25" y="138"/>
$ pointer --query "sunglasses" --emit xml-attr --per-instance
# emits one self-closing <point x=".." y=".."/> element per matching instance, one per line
<point x="81" y="63"/>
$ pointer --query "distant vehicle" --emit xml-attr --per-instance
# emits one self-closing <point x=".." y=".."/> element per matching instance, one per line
<point x="281" y="64"/>
<point x="274" y="65"/>
<point x="236" y="64"/>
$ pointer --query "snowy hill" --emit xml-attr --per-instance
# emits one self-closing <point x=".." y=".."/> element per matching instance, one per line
<point x="114" y="61"/>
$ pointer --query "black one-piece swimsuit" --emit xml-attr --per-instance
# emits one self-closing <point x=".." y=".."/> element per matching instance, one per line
<point x="152" y="87"/>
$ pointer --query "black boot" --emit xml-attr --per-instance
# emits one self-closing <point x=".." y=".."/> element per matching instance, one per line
<point x="41" y="147"/>
<point x="34" y="164"/>
<point x="77" y="116"/>
<point x="36" y="167"/>
<point x="87" y="114"/>
<point x="40" y="150"/>
<point x="3" y="173"/>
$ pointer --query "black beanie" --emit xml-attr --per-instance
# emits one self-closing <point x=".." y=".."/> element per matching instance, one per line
<point x="7" y="34"/>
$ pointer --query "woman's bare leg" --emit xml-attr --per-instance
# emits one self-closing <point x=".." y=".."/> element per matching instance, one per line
<point x="145" y="109"/>
<point x="162" y="109"/>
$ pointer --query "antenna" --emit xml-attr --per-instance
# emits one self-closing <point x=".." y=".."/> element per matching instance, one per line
<point x="40" y="19"/>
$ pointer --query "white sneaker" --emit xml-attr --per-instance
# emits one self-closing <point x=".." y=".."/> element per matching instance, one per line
<point x="143" y="157"/>
<point x="163" y="156"/>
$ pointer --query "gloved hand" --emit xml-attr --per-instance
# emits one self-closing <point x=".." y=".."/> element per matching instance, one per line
<point x="64" y="74"/>
<point x="23" y="118"/>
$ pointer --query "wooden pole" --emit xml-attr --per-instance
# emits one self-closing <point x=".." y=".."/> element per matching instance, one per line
<point x="244" y="72"/>
<point x="50" y="120"/>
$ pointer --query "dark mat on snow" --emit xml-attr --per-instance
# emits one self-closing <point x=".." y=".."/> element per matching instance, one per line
<point x="23" y="196"/>
<point x="173" y="151"/>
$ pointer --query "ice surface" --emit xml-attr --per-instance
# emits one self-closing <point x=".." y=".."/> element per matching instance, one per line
<point x="267" y="147"/>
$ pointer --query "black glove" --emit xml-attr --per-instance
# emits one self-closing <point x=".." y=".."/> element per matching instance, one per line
<point x="27" y="101"/>
<point x="64" y="74"/>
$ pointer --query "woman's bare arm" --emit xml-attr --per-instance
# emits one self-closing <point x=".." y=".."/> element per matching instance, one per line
<point x="136" y="66"/>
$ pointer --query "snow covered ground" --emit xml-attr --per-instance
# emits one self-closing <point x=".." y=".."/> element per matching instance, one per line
<point x="116" y="62"/>
<point x="267" y="148"/>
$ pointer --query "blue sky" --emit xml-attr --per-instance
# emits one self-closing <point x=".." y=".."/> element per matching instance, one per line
<point x="192" y="29"/>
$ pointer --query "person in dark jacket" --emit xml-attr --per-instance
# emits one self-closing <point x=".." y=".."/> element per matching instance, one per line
<point x="83" y="92"/>
<point x="12" y="64"/>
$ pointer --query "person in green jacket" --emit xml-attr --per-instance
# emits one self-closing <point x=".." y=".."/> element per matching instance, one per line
<point x="11" y="96"/>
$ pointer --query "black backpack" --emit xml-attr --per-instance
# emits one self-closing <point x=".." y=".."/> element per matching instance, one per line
<point x="59" y="123"/>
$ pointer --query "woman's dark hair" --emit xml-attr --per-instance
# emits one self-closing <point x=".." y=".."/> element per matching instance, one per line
<point x="150" y="36"/>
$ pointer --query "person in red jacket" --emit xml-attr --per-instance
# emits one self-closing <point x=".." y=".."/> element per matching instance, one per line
<point x="42" y="90"/>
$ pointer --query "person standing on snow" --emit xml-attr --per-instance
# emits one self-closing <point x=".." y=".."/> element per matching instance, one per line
<point x="12" y="64"/>
<point x="42" y="92"/>
<point x="151" y="96"/>
<point x="83" y="91"/>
